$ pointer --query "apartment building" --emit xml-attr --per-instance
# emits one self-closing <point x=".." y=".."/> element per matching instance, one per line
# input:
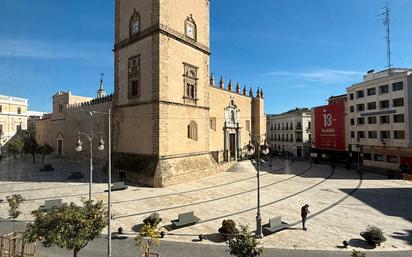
<point x="379" y="113"/>
<point x="13" y="117"/>
<point x="290" y="132"/>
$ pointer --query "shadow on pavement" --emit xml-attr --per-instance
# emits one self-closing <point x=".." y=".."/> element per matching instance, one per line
<point x="360" y="243"/>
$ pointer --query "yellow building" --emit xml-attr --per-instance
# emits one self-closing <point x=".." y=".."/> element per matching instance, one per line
<point x="171" y="123"/>
<point x="13" y="117"/>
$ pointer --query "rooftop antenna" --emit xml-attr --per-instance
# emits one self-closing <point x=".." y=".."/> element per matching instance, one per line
<point x="386" y="22"/>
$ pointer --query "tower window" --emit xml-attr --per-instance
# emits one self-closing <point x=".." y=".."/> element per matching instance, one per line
<point x="18" y="110"/>
<point x="192" y="130"/>
<point x="134" y="76"/>
<point x="190" y="83"/>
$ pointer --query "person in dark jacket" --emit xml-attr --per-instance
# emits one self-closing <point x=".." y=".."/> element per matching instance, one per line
<point x="304" y="211"/>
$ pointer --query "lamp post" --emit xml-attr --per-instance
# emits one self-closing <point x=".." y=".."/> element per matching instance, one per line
<point x="79" y="148"/>
<point x="310" y="152"/>
<point x="359" y="154"/>
<point x="250" y="152"/>
<point x="109" y="183"/>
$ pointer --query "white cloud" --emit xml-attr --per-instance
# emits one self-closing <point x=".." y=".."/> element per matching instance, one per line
<point x="325" y="75"/>
<point x="80" y="51"/>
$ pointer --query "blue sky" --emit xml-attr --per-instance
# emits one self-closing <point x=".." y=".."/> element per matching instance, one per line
<point x="300" y="52"/>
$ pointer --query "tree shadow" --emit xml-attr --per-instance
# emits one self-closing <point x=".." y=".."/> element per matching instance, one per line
<point x="392" y="202"/>
<point x="215" y="238"/>
<point x="137" y="228"/>
<point x="360" y="243"/>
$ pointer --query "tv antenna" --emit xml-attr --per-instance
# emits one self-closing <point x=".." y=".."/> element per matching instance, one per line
<point x="386" y="21"/>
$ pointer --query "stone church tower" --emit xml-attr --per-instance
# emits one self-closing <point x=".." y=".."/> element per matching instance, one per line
<point x="161" y="101"/>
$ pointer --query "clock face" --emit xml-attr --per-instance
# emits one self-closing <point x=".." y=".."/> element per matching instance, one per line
<point x="190" y="31"/>
<point x="135" y="27"/>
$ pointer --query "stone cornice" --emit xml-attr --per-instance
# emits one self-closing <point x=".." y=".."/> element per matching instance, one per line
<point x="163" y="102"/>
<point x="165" y="30"/>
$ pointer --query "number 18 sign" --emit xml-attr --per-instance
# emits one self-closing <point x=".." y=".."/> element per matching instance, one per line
<point x="330" y="126"/>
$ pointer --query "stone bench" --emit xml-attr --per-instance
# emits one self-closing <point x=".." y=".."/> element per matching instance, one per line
<point x="274" y="225"/>
<point x="185" y="219"/>
<point x="50" y="204"/>
<point x="117" y="186"/>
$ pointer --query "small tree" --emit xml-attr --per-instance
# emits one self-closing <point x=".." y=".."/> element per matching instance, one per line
<point x="45" y="150"/>
<point x="15" y="146"/>
<point x="31" y="146"/>
<point x="70" y="226"/>
<point x="148" y="237"/>
<point x="14" y="202"/>
<point x="244" y="244"/>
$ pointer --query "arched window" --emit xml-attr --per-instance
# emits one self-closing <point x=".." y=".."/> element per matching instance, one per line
<point x="190" y="28"/>
<point x="134" y="23"/>
<point x="192" y="130"/>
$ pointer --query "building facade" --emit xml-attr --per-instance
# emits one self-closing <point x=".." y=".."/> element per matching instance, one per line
<point x="60" y="128"/>
<point x="379" y="115"/>
<point x="171" y="122"/>
<point x="290" y="132"/>
<point x="330" y="130"/>
<point x="13" y="117"/>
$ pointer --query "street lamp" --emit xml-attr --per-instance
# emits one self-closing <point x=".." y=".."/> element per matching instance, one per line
<point x="79" y="148"/>
<point x="359" y="154"/>
<point x="310" y="152"/>
<point x="259" y="139"/>
<point x="109" y="182"/>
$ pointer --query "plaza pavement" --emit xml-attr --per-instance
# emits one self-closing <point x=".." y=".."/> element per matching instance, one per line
<point x="341" y="202"/>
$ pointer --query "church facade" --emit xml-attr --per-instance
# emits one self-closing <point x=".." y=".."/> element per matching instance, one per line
<point x="171" y="121"/>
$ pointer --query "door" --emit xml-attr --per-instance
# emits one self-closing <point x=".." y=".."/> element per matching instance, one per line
<point x="299" y="151"/>
<point x="60" y="147"/>
<point x="232" y="139"/>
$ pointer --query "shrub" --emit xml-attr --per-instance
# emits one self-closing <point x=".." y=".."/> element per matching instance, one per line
<point x="376" y="234"/>
<point x="373" y="235"/>
<point x="228" y="227"/>
<point x="153" y="220"/>
<point x="358" y="254"/>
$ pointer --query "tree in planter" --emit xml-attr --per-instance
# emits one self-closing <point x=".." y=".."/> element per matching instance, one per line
<point x="148" y="237"/>
<point x="69" y="226"/>
<point x="15" y="146"/>
<point x="373" y="235"/>
<point x="14" y="203"/>
<point x="45" y="150"/>
<point x="31" y="146"/>
<point x="154" y="219"/>
<point x="228" y="228"/>
<point x="244" y="244"/>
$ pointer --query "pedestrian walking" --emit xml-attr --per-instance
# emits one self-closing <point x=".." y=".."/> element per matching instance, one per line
<point x="270" y="165"/>
<point x="304" y="211"/>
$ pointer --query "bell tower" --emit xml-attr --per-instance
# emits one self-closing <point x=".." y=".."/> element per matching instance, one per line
<point x="161" y="100"/>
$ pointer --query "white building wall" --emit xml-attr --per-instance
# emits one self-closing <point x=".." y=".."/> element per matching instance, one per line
<point x="380" y="151"/>
<point x="289" y="132"/>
